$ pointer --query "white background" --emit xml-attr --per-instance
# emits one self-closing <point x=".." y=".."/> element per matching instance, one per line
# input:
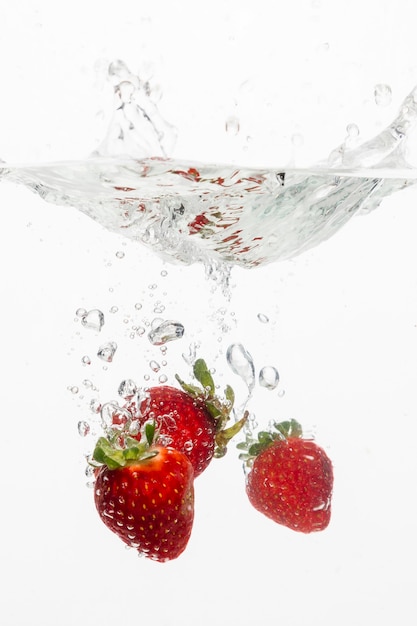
<point x="342" y="325"/>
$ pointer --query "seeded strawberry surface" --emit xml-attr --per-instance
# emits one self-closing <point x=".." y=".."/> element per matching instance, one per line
<point x="149" y="504"/>
<point x="291" y="482"/>
<point x="182" y="422"/>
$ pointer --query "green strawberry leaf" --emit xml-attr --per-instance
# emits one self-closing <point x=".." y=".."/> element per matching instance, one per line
<point x="203" y="376"/>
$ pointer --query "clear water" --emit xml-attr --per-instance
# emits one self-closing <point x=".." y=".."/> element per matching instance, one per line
<point x="191" y="212"/>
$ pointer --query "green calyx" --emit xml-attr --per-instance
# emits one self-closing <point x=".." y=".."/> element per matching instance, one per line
<point x="218" y="408"/>
<point x="120" y="452"/>
<point x="283" y="430"/>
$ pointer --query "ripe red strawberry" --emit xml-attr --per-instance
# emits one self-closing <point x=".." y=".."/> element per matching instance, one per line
<point x="145" y="495"/>
<point x="191" y="420"/>
<point x="291" y="479"/>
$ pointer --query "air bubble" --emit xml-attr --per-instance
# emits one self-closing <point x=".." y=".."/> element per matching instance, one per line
<point x="241" y="364"/>
<point x="165" y="331"/>
<point x="83" y="428"/>
<point x="106" y="351"/>
<point x="232" y="125"/>
<point x="74" y="389"/>
<point x="264" y="319"/>
<point x="86" y="360"/>
<point x="81" y="312"/>
<point x="382" y="95"/>
<point x="138" y="306"/>
<point x="269" y="377"/>
<point x="94" y="319"/>
<point x="163" y="378"/>
<point x="114" y="309"/>
<point x="155" y="367"/>
<point x="120" y="254"/>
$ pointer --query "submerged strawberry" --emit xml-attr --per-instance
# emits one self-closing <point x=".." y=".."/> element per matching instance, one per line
<point x="291" y="478"/>
<point x="192" y="419"/>
<point x="145" y="495"/>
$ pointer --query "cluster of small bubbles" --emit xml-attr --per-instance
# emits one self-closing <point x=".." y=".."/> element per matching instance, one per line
<point x="155" y="367"/>
<point x="269" y="377"/>
<point x="90" y="484"/>
<point x="163" y="378"/>
<point x="73" y="389"/>
<point x="106" y="351"/>
<point x="163" y="349"/>
<point x="152" y="286"/>
<point x="83" y="428"/>
<point x="114" y="309"/>
<point x="89" y="471"/>
<point x="127" y="389"/>
<point x="382" y="95"/>
<point x="264" y="319"/>
<point x="86" y="360"/>
<point x="93" y="319"/>
<point x="140" y="331"/>
<point x="232" y="125"/>
<point x="159" y="308"/>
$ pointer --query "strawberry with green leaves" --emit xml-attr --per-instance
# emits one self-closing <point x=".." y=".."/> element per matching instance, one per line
<point x="192" y="419"/>
<point x="290" y="478"/>
<point x="144" y="494"/>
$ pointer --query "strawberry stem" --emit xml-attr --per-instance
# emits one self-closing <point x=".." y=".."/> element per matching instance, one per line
<point x="282" y="430"/>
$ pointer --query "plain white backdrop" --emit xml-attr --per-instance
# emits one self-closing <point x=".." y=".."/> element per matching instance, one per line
<point x="342" y="327"/>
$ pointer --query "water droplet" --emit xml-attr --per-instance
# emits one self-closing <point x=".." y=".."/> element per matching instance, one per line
<point x="163" y="378"/>
<point x="127" y="388"/>
<point x="188" y="445"/>
<point x="138" y="306"/>
<point x="268" y="377"/>
<point x="106" y="351"/>
<point x="114" y="417"/>
<point x="74" y="389"/>
<point x="87" y="383"/>
<point x="120" y="254"/>
<point x="94" y="319"/>
<point x="241" y="364"/>
<point x="159" y="308"/>
<point x="114" y="309"/>
<point x="140" y="331"/>
<point x="81" y="312"/>
<point x="83" y="428"/>
<point x="232" y="125"/>
<point x="264" y="319"/>
<point x="86" y="360"/>
<point x="382" y="95"/>
<point x="164" y="273"/>
<point x="281" y="393"/>
<point x="155" y="367"/>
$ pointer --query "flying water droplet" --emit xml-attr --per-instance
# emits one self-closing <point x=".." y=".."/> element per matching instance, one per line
<point x="106" y="351"/>
<point x="382" y="95"/>
<point x="241" y="364"/>
<point x="94" y="319"/>
<point x="165" y="331"/>
<point x="269" y="377"/>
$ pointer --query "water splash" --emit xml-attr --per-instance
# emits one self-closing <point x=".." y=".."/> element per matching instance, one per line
<point x="220" y="215"/>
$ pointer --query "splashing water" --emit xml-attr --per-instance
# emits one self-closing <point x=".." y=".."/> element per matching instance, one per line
<point x="191" y="212"/>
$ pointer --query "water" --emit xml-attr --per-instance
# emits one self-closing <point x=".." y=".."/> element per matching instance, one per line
<point x="190" y="212"/>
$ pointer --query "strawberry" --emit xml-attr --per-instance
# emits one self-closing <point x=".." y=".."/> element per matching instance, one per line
<point x="290" y="478"/>
<point x="145" y="495"/>
<point x="192" y="419"/>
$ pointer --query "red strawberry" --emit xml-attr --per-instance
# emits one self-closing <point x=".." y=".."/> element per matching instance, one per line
<point x="291" y="479"/>
<point x="145" y="495"/>
<point x="191" y="420"/>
